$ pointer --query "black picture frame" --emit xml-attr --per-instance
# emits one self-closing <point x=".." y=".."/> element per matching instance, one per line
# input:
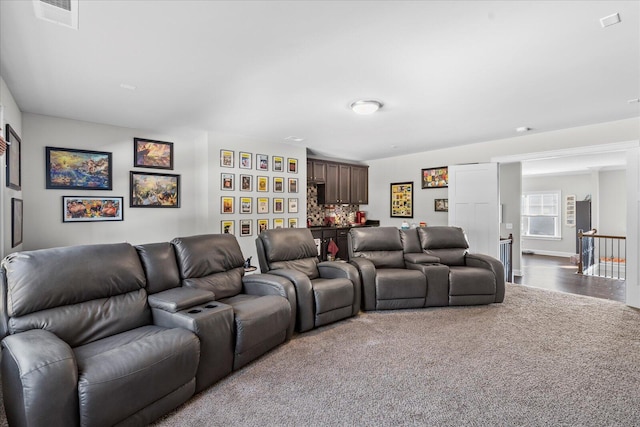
<point x="74" y="169"/>
<point x="401" y="199"/>
<point x="17" y="216"/>
<point x="149" y="153"/>
<point x="435" y="177"/>
<point x="441" y="205"/>
<point x="92" y="209"/>
<point x="14" y="159"/>
<point x="154" y="190"/>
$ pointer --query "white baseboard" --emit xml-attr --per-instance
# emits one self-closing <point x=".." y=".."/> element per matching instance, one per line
<point x="547" y="253"/>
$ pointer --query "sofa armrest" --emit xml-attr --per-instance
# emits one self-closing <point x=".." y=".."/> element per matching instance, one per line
<point x="40" y="379"/>
<point x="337" y="269"/>
<point x="180" y="298"/>
<point x="304" y="297"/>
<point x="490" y="263"/>
<point x="367" y="271"/>
<point x="420" y="258"/>
<point x="270" y="284"/>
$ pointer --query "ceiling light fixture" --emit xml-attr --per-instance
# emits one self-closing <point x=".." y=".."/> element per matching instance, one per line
<point x="294" y="139"/>
<point x="368" y="106"/>
<point x="127" y="86"/>
<point x="610" y="20"/>
<point x="523" y="129"/>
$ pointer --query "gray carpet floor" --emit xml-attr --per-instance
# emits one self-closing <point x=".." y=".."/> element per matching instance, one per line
<point x="542" y="358"/>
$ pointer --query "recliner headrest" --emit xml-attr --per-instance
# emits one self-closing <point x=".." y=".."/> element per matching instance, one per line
<point x="287" y="244"/>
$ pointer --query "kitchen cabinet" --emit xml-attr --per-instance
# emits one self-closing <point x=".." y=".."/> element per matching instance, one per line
<point x="340" y="183"/>
<point x="338" y="235"/>
<point x="316" y="171"/>
<point x="359" y="185"/>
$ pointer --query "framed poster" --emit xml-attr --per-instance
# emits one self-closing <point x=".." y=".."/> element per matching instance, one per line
<point x="227" y="181"/>
<point x="402" y="199"/>
<point x="263" y="205"/>
<point x="246" y="183"/>
<point x="72" y="169"/>
<point x="226" y="158"/>
<point x="435" y="177"/>
<point x="227" y="227"/>
<point x="278" y="205"/>
<point x="154" y="190"/>
<point x="292" y="165"/>
<point x="226" y="205"/>
<point x="293" y="205"/>
<point x="293" y="222"/>
<point x="245" y="227"/>
<point x="92" y="209"/>
<point x="245" y="160"/>
<point x="263" y="224"/>
<point x="293" y="185"/>
<point x="263" y="183"/>
<point x="14" y="160"/>
<point x="262" y="162"/>
<point x="441" y="205"/>
<point x="278" y="223"/>
<point x="278" y="164"/>
<point x="148" y="153"/>
<point x="246" y="205"/>
<point x="278" y="184"/>
<point x="16" y="222"/>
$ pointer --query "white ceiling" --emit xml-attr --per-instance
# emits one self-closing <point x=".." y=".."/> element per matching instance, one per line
<point x="448" y="72"/>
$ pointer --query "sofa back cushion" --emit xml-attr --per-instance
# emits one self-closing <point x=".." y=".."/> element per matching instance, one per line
<point x="160" y="266"/>
<point x="381" y="245"/>
<point x="289" y="248"/>
<point x="80" y="293"/>
<point x="450" y="244"/>
<point x="211" y="261"/>
<point x="410" y="241"/>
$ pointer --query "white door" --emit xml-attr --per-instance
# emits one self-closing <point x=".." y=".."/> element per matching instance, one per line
<point x="633" y="228"/>
<point x="474" y="205"/>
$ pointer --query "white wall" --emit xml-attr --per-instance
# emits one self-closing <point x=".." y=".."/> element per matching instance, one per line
<point x="510" y="194"/>
<point x="12" y="115"/>
<point x="613" y="203"/>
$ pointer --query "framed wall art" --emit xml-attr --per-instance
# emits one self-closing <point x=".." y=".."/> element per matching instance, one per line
<point x="278" y="223"/>
<point x="14" y="159"/>
<point x="262" y="162"/>
<point x="226" y="205"/>
<point x="227" y="227"/>
<point x="441" y="205"/>
<point x="71" y="169"/>
<point x="92" y="209"/>
<point x="278" y="184"/>
<point x="245" y="160"/>
<point x="293" y="185"/>
<point x="226" y="158"/>
<point x="435" y="177"/>
<point x="292" y="165"/>
<point x="278" y="205"/>
<point x="16" y="222"/>
<point x="154" y="190"/>
<point x="278" y="164"/>
<point x="293" y="205"/>
<point x="263" y="205"/>
<point x="227" y="181"/>
<point x="246" y="205"/>
<point x="263" y="183"/>
<point x="246" y="228"/>
<point x="402" y="199"/>
<point x="263" y="224"/>
<point x="293" y="222"/>
<point x="148" y="153"/>
<point x="246" y="182"/>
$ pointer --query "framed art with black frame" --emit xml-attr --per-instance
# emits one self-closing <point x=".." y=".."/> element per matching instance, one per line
<point x="154" y="190"/>
<point x="72" y="169"/>
<point x="148" y="153"/>
<point x="91" y="209"/>
<point x="14" y="159"/>
<point x="16" y="222"/>
<point x="435" y="177"/>
<point x="402" y="200"/>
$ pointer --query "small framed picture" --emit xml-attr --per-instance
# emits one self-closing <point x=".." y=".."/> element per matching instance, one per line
<point x="226" y="206"/>
<point x="293" y="222"/>
<point x="227" y="227"/>
<point x="262" y="162"/>
<point x="246" y="182"/>
<point x="263" y="224"/>
<point x="278" y="164"/>
<point x="246" y="205"/>
<point x="278" y="223"/>
<point x="154" y="190"/>
<point x="278" y="184"/>
<point x="263" y="205"/>
<point x="245" y="160"/>
<point x="293" y="205"/>
<point x="148" y="153"/>
<point x="227" y="181"/>
<point x="246" y="228"/>
<point x="293" y="165"/>
<point x="16" y="222"/>
<point x="226" y="158"/>
<point x="263" y="184"/>
<point x="91" y="209"/>
<point x="293" y="185"/>
<point x="14" y="162"/>
<point x="441" y="205"/>
<point x="278" y="205"/>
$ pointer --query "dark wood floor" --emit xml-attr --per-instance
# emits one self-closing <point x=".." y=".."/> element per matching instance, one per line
<point x="557" y="273"/>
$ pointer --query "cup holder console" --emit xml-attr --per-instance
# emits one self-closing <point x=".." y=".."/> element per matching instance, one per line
<point x="204" y="308"/>
<point x="194" y="311"/>
<point x="211" y="306"/>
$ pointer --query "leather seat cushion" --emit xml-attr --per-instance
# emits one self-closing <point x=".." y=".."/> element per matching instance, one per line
<point x="124" y="373"/>
<point x="396" y="283"/>
<point x="471" y="281"/>
<point x="331" y="294"/>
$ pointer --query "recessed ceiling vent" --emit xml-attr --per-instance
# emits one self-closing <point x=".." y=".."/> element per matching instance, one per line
<point x="61" y="12"/>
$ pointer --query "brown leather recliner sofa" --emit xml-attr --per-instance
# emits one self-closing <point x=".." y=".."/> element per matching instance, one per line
<point x="422" y="267"/>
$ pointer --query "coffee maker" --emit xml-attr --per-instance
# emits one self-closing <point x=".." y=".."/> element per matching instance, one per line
<point x="361" y="217"/>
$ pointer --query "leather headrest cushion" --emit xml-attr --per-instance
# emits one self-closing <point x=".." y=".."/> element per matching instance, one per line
<point x="286" y="244"/>
<point x="443" y="238"/>
<point x="199" y="256"/>
<point x="375" y="239"/>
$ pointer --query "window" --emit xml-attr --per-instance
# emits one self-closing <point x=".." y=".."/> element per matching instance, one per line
<point x="541" y="214"/>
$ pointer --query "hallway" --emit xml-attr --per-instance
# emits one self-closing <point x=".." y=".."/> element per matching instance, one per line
<point x="558" y="274"/>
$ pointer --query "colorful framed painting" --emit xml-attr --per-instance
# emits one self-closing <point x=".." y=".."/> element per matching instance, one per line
<point x="263" y="205"/>
<point x="154" y="190"/>
<point x="263" y="184"/>
<point x="263" y="224"/>
<point x="293" y="205"/>
<point x="278" y="205"/>
<point x="278" y="164"/>
<point x="278" y="184"/>
<point x="246" y="205"/>
<point x="293" y="185"/>
<point x="226" y="205"/>
<point x="226" y="159"/>
<point x="246" y="182"/>
<point x="293" y="222"/>
<point x="402" y="200"/>
<point x="262" y="162"/>
<point x="435" y="177"/>
<point x="14" y="159"/>
<point x="71" y="169"/>
<point x="246" y="228"/>
<point x="227" y="181"/>
<point x="148" y="153"/>
<point x="227" y="227"/>
<point x="17" y="216"/>
<point x="92" y="209"/>
<point x="292" y="165"/>
<point x="245" y="160"/>
<point x="278" y="223"/>
<point x="441" y="205"/>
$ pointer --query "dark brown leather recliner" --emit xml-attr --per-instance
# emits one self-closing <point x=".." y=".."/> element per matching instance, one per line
<point x="326" y="291"/>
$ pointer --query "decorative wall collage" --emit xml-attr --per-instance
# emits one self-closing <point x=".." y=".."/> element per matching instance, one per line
<point x="251" y="193"/>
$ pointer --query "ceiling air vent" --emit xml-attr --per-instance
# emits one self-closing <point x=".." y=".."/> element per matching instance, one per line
<point x="61" y="12"/>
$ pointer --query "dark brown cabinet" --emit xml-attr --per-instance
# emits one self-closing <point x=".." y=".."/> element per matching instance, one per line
<point x="316" y="171"/>
<point x="338" y="235"/>
<point x="343" y="184"/>
<point x="359" y="185"/>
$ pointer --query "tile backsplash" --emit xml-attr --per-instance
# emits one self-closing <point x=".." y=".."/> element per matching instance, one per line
<point x="344" y="214"/>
